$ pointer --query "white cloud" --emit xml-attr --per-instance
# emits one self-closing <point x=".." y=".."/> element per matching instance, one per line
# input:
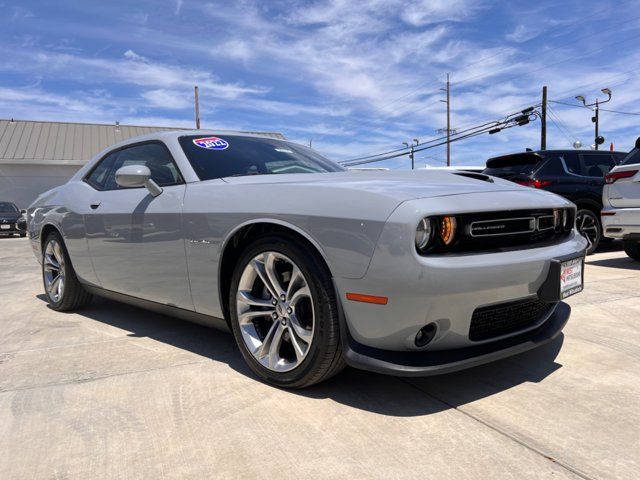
<point x="522" y="33"/>
<point x="433" y="11"/>
<point x="169" y="99"/>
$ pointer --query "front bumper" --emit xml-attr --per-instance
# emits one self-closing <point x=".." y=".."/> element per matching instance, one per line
<point x="455" y="293"/>
<point x="414" y="364"/>
<point x="623" y="224"/>
<point x="9" y="227"/>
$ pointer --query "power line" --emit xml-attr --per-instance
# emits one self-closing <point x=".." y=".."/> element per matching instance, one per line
<point x="406" y="150"/>
<point x="574" y="40"/>
<point x="618" y="111"/>
<point x="512" y="120"/>
<point x="529" y="72"/>
<point x="572" y="90"/>
<point x="560" y="124"/>
<point x="433" y="92"/>
<point x="503" y="115"/>
<point x="602" y="109"/>
<point x="568" y="104"/>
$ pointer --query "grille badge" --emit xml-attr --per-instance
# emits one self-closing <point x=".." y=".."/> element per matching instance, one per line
<point x="506" y="226"/>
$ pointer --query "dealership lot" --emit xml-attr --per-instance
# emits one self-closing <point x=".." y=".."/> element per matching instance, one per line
<point x="114" y="391"/>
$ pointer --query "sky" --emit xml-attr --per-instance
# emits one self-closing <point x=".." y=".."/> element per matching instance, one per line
<point x="354" y="78"/>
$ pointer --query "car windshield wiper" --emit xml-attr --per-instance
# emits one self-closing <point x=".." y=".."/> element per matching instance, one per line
<point x="244" y="174"/>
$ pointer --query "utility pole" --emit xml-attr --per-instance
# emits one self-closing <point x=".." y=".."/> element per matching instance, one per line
<point x="543" y="120"/>
<point x="448" y="102"/>
<point x="448" y="122"/>
<point x="197" y="102"/>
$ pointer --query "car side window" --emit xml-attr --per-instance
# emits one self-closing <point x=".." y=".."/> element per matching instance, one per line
<point x="551" y="168"/>
<point x="572" y="162"/>
<point x="595" y="165"/>
<point x="155" y="156"/>
<point x="99" y="174"/>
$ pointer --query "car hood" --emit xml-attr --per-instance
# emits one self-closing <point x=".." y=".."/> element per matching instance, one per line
<point x="400" y="186"/>
<point x="10" y="216"/>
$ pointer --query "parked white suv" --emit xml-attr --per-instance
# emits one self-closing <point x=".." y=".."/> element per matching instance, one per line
<point x="621" y="200"/>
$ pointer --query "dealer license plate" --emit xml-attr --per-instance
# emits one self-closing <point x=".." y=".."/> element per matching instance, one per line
<point x="5" y="227"/>
<point x="571" y="277"/>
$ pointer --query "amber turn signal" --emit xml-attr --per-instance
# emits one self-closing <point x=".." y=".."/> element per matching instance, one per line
<point x="448" y="229"/>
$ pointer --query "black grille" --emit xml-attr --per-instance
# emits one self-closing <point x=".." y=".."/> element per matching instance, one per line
<point x="498" y="320"/>
<point x="493" y="231"/>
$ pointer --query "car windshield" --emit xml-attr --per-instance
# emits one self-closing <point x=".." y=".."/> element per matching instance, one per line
<point x="632" y="158"/>
<point x="234" y="155"/>
<point x="8" y="207"/>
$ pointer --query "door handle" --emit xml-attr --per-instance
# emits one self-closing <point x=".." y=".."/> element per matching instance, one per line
<point x="94" y="205"/>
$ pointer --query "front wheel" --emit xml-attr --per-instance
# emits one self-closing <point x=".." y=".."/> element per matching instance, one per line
<point x="588" y="225"/>
<point x="64" y="291"/>
<point x="284" y="313"/>
<point x="632" y="248"/>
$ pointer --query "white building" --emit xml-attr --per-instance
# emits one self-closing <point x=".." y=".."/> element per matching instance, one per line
<point x="37" y="156"/>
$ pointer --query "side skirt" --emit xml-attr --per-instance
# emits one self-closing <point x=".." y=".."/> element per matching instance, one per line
<point x="181" y="313"/>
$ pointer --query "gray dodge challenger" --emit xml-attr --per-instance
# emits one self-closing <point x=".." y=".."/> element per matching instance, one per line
<point x="310" y="266"/>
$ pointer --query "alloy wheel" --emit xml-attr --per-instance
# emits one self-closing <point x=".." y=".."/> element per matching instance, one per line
<point x="588" y="228"/>
<point x="275" y="311"/>
<point x="54" y="270"/>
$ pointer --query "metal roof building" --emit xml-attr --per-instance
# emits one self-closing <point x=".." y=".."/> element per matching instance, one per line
<point x="36" y="156"/>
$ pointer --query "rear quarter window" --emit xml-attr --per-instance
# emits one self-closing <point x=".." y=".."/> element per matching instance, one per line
<point x="551" y="168"/>
<point x="512" y="165"/>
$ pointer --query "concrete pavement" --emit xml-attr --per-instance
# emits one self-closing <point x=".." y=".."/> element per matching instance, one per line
<point x="117" y="392"/>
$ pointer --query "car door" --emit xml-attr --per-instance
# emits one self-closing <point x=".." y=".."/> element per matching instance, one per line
<point x="135" y="240"/>
<point x="573" y="184"/>
<point x="596" y="165"/>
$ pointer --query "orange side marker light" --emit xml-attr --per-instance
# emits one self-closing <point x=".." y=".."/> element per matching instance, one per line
<point x="360" y="297"/>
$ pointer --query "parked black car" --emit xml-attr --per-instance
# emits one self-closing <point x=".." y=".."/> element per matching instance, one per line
<point x="11" y="220"/>
<point x="576" y="175"/>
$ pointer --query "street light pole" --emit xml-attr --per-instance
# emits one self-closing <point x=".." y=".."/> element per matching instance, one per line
<point x="543" y="120"/>
<point x="596" y="118"/>
<point x="412" y="151"/>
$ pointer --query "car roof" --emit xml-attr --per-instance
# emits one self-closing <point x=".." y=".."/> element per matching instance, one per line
<point x="541" y="154"/>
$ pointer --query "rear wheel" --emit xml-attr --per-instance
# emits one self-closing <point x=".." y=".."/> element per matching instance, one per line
<point x="589" y="227"/>
<point x="632" y="248"/>
<point x="64" y="291"/>
<point x="284" y="313"/>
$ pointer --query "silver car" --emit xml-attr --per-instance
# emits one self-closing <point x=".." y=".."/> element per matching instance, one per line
<point x="621" y="200"/>
<point x="310" y="266"/>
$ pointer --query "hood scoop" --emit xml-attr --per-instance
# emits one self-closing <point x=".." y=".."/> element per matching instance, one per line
<point x="476" y="176"/>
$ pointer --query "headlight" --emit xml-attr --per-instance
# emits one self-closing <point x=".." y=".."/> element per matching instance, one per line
<point x="424" y="234"/>
<point x="448" y="227"/>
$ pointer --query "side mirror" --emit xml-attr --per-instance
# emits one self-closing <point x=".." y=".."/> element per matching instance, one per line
<point x="137" y="176"/>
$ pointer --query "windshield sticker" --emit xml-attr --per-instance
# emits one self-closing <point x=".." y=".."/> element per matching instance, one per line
<point x="211" y="143"/>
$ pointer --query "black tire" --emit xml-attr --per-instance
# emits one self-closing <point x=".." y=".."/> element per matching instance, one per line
<point x="22" y="235"/>
<point x="632" y="248"/>
<point x="74" y="296"/>
<point x="324" y="358"/>
<point x="596" y="234"/>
